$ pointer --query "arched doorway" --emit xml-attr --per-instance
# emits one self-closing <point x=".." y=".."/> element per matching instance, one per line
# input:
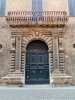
<point x="37" y="63"/>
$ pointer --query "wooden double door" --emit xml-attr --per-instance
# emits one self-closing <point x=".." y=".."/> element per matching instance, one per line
<point x="37" y="67"/>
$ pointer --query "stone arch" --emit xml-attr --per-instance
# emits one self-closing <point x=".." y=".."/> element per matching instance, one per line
<point x="36" y="39"/>
<point x="41" y="37"/>
<point x="35" y="36"/>
<point x="41" y="45"/>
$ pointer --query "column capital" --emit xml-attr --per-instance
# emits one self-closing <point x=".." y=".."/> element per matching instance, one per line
<point x="19" y="37"/>
<point x="54" y="34"/>
<point x="16" y="33"/>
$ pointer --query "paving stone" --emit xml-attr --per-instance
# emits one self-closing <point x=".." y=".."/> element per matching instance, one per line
<point x="33" y="93"/>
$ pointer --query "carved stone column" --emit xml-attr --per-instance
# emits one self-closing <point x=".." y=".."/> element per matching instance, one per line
<point x="55" y="51"/>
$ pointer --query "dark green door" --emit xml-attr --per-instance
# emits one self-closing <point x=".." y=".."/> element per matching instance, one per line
<point x="37" y="66"/>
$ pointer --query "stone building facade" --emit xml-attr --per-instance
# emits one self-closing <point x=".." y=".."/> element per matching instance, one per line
<point x="37" y="47"/>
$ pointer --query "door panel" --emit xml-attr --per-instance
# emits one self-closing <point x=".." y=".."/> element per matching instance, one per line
<point x="33" y="74"/>
<point x="33" y="66"/>
<point x="41" y="74"/>
<point x="46" y="66"/>
<point x="27" y="66"/>
<point x="37" y="68"/>
<point x="40" y="66"/>
<point x="40" y="58"/>
<point x="27" y="58"/>
<point x="33" y="58"/>
<point x="37" y="63"/>
<point x="46" y="58"/>
<point x="46" y="74"/>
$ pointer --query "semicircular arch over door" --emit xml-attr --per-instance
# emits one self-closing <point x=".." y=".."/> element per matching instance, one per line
<point x="37" y="63"/>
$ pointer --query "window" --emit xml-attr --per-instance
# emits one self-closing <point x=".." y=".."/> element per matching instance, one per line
<point x="36" y="5"/>
<point x="2" y="7"/>
<point x="71" y="7"/>
<point x="39" y="5"/>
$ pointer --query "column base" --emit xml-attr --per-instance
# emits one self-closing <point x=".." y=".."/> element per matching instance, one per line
<point x="60" y="78"/>
<point x="15" y="78"/>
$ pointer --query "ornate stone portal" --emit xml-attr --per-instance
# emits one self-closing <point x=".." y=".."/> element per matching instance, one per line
<point x="26" y="29"/>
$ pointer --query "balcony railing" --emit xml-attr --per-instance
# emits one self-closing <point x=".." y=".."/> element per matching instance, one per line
<point x="27" y="16"/>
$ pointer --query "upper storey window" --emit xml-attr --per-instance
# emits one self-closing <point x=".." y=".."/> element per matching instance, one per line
<point x="71" y="7"/>
<point x="2" y="7"/>
<point x="36" y="5"/>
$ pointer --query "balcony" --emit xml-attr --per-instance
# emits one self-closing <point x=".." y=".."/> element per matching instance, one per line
<point x="39" y="18"/>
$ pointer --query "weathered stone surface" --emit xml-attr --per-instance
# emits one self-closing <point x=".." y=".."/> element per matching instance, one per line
<point x="18" y="5"/>
<point x="14" y="78"/>
<point x="26" y="5"/>
<point x="6" y="45"/>
<point x="68" y="41"/>
<point x="58" y="5"/>
<point x="41" y="33"/>
<point x="59" y="78"/>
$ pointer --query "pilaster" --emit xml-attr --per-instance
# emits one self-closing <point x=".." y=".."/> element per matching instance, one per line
<point x="55" y="51"/>
<point x="18" y="53"/>
<point x="18" y="38"/>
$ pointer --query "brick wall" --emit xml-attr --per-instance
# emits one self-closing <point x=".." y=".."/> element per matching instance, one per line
<point x="25" y="5"/>
<point x="68" y="41"/>
<point x="6" y="44"/>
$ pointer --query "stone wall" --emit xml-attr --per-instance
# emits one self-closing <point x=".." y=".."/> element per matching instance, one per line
<point x="26" y="5"/>
<point x="6" y="45"/>
<point x="48" y="5"/>
<point x="18" y="5"/>
<point x="55" y="5"/>
<point x="68" y="41"/>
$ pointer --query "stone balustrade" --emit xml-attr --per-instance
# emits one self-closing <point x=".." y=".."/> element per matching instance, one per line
<point x="29" y="13"/>
<point x="44" y="16"/>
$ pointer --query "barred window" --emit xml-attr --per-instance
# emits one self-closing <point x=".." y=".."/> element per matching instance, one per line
<point x="71" y="7"/>
<point x="2" y="7"/>
<point x="36" y="5"/>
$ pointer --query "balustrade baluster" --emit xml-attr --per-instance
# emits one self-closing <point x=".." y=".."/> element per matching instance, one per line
<point x="37" y="16"/>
